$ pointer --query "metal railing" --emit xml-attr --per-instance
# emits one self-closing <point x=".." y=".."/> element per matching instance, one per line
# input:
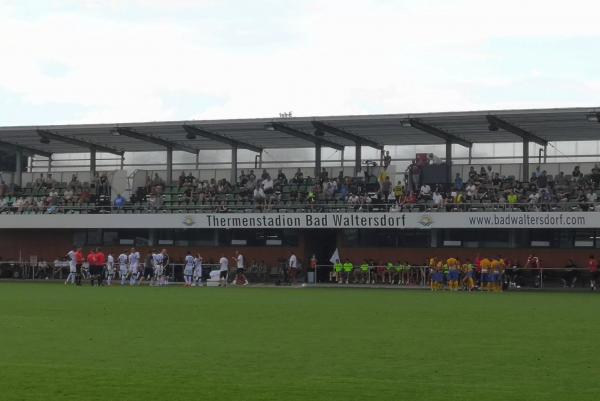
<point x="283" y="207"/>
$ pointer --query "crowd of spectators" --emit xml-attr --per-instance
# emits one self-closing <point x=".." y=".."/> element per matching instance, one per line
<point x="261" y="191"/>
<point x="542" y="192"/>
<point x="46" y="195"/>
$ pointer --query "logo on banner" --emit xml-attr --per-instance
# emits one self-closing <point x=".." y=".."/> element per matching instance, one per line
<point x="188" y="221"/>
<point x="426" y="220"/>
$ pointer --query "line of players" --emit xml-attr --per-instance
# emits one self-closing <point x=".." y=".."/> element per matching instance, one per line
<point x="486" y="274"/>
<point x="130" y="271"/>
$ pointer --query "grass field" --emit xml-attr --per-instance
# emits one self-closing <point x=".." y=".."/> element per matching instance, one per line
<point x="60" y="343"/>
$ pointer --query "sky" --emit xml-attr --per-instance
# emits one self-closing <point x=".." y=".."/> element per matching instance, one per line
<point x="122" y="61"/>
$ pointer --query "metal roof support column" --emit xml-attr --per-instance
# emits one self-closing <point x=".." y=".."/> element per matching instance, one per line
<point x="234" y="163"/>
<point x="317" y="160"/>
<point x="92" y="162"/>
<point x="449" y="161"/>
<point x="357" y="159"/>
<point x="169" y="165"/>
<point x="525" y="160"/>
<point x="18" y="168"/>
<point x="545" y="154"/>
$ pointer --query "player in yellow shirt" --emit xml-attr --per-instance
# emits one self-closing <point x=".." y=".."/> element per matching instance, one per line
<point x="467" y="269"/>
<point x="453" y="273"/>
<point x="485" y="264"/>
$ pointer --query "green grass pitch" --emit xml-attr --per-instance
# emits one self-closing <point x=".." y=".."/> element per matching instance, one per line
<point x="67" y="343"/>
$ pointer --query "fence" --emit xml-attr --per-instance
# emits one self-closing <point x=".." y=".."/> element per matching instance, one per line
<point x="290" y="207"/>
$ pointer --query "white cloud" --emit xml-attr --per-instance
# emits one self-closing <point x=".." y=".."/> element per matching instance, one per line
<point x="333" y="57"/>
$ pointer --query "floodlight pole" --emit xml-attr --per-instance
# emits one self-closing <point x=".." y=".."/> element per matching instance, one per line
<point x="18" y="168"/>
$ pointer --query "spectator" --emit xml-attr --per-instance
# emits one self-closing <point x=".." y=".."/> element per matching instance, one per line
<point x="298" y="177"/>
<point x="473" y="176"/>
<point x="267" y="185"/>
<point x="259" y="195"/>
<point x="181" y="179"/>
<point x="119" y="202"/>
<point x="483" y="176"/>
<point x="496" y="180"/>
<point x="281" y="178"/>
<point x="386" y="189"/>
<point x="542" y="180"/>
<point x="387" y="160"/>
<point x="458" y="182"/>
<point x="576" y="174"/>
<point x="243" y="178"/>
<point x="324" y="175"/>
<point x="68" y="194"/>
<point x="425" y="192"/>
<point x="472" y="191"/>
<point x="399" y="192"/>
<point x="595" y="176"/>
<point x="438" y="199"/>
<point x="415" y="176"/>
<point x="74" y="184"/>
<point x="265" y="174"/>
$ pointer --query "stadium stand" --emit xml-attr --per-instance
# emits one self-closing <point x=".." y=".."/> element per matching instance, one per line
<point x="482" y="190"/>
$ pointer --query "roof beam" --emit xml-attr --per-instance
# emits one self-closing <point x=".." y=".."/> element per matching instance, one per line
<point x="346" y="135"/>
<point x="505" y="125"/>
<point x="446" y="136"/>
<point x="26" y="149"/>
<point x="213" y="136"/>
<point x="155" y="140"/>
<point x="78" y="142"/>
<point x="307" y="137"/>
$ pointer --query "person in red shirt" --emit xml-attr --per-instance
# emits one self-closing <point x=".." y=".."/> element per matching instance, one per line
<point x="91" y="260"/>
<point x="79" y="256"/>
<point x="100" y="262"/>
<point x="593" y="268"/>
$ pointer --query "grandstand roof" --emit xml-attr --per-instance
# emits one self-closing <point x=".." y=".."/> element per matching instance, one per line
<point x="567" y="124"/>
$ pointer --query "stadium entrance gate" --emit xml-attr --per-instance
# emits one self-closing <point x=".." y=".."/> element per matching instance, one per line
<point x="322" y="243"/>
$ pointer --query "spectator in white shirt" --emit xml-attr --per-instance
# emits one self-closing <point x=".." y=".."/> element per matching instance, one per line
<point x="438" y="199"/>
<point x="267" y="185"/>
<point x="471" y="191"/>
<point x="259" y="195"/>
<point x="425" y="192"/>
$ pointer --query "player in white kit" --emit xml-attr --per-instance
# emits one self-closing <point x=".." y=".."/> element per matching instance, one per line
<point x="72" y="255"/>
<point x="110" y="268"/>
<point x="158" y="268"/>
<point x="123" y="267"/>
<point x="134" y="267"/>
<point x="223" y="271"/>
<point x="188" y="269"/>
<point x="198" y="273"/>
<point x="240" y="277"/>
